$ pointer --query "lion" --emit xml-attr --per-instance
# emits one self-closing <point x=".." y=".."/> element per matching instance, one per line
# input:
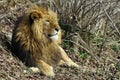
<point x="36" y="40"/>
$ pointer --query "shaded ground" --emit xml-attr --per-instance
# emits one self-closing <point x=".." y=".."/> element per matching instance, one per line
<point x="106" y="67"/>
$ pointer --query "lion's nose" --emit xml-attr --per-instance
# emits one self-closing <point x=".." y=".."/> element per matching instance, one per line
<point x="57" y="29"/>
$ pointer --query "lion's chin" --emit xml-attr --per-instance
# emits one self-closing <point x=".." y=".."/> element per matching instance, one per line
<point x="54" y="38"/>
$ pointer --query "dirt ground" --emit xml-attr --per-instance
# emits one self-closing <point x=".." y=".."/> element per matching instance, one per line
<point x="106" y="67"/>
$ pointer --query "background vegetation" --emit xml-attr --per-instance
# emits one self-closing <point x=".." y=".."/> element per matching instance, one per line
<point x="91" y="37"/>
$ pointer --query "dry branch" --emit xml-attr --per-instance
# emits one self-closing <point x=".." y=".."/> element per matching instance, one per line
<point x="114" y="26"/>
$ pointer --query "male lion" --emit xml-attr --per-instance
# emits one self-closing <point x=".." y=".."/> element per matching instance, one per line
<point x="36" y="39"/>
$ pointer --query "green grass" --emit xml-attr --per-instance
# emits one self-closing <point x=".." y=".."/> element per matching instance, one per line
<point x="115" y="47"/>
<point x="83" y="55"/>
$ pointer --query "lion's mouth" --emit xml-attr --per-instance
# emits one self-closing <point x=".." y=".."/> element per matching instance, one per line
<point x="53" y="36"/>
<point x="50" y="35"/>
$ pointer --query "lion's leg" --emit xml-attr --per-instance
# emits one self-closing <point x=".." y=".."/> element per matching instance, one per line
<point x="66" y="60"/>
<point x="46" y="68"/>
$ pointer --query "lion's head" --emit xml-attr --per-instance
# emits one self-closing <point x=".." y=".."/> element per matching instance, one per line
<point x="44" y="24"/>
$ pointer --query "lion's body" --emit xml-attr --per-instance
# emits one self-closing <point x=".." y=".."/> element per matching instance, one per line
<point x="36" y="39"/>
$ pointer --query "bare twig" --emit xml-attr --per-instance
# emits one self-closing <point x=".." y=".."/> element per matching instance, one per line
<point x="109" y="17"/>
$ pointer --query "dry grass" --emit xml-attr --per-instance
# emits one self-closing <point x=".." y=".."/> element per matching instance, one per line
<point x="91" y="34"/>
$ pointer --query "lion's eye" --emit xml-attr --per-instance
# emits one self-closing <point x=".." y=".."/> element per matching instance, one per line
<point x="47" y="22"/>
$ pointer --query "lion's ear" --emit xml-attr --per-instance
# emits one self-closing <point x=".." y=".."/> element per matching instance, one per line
<point x="35" y="15"/>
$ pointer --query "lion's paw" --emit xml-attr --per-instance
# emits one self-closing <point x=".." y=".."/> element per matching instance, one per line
<point x="72" y="65"/>
<point x="34" y="69"/>
<point x="75" y="65"/>
<point x="68" y="64"/>
<point x="48" y="71"/>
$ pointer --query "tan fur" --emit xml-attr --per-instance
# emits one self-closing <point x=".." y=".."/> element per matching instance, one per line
<point x="33" y="44"/>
